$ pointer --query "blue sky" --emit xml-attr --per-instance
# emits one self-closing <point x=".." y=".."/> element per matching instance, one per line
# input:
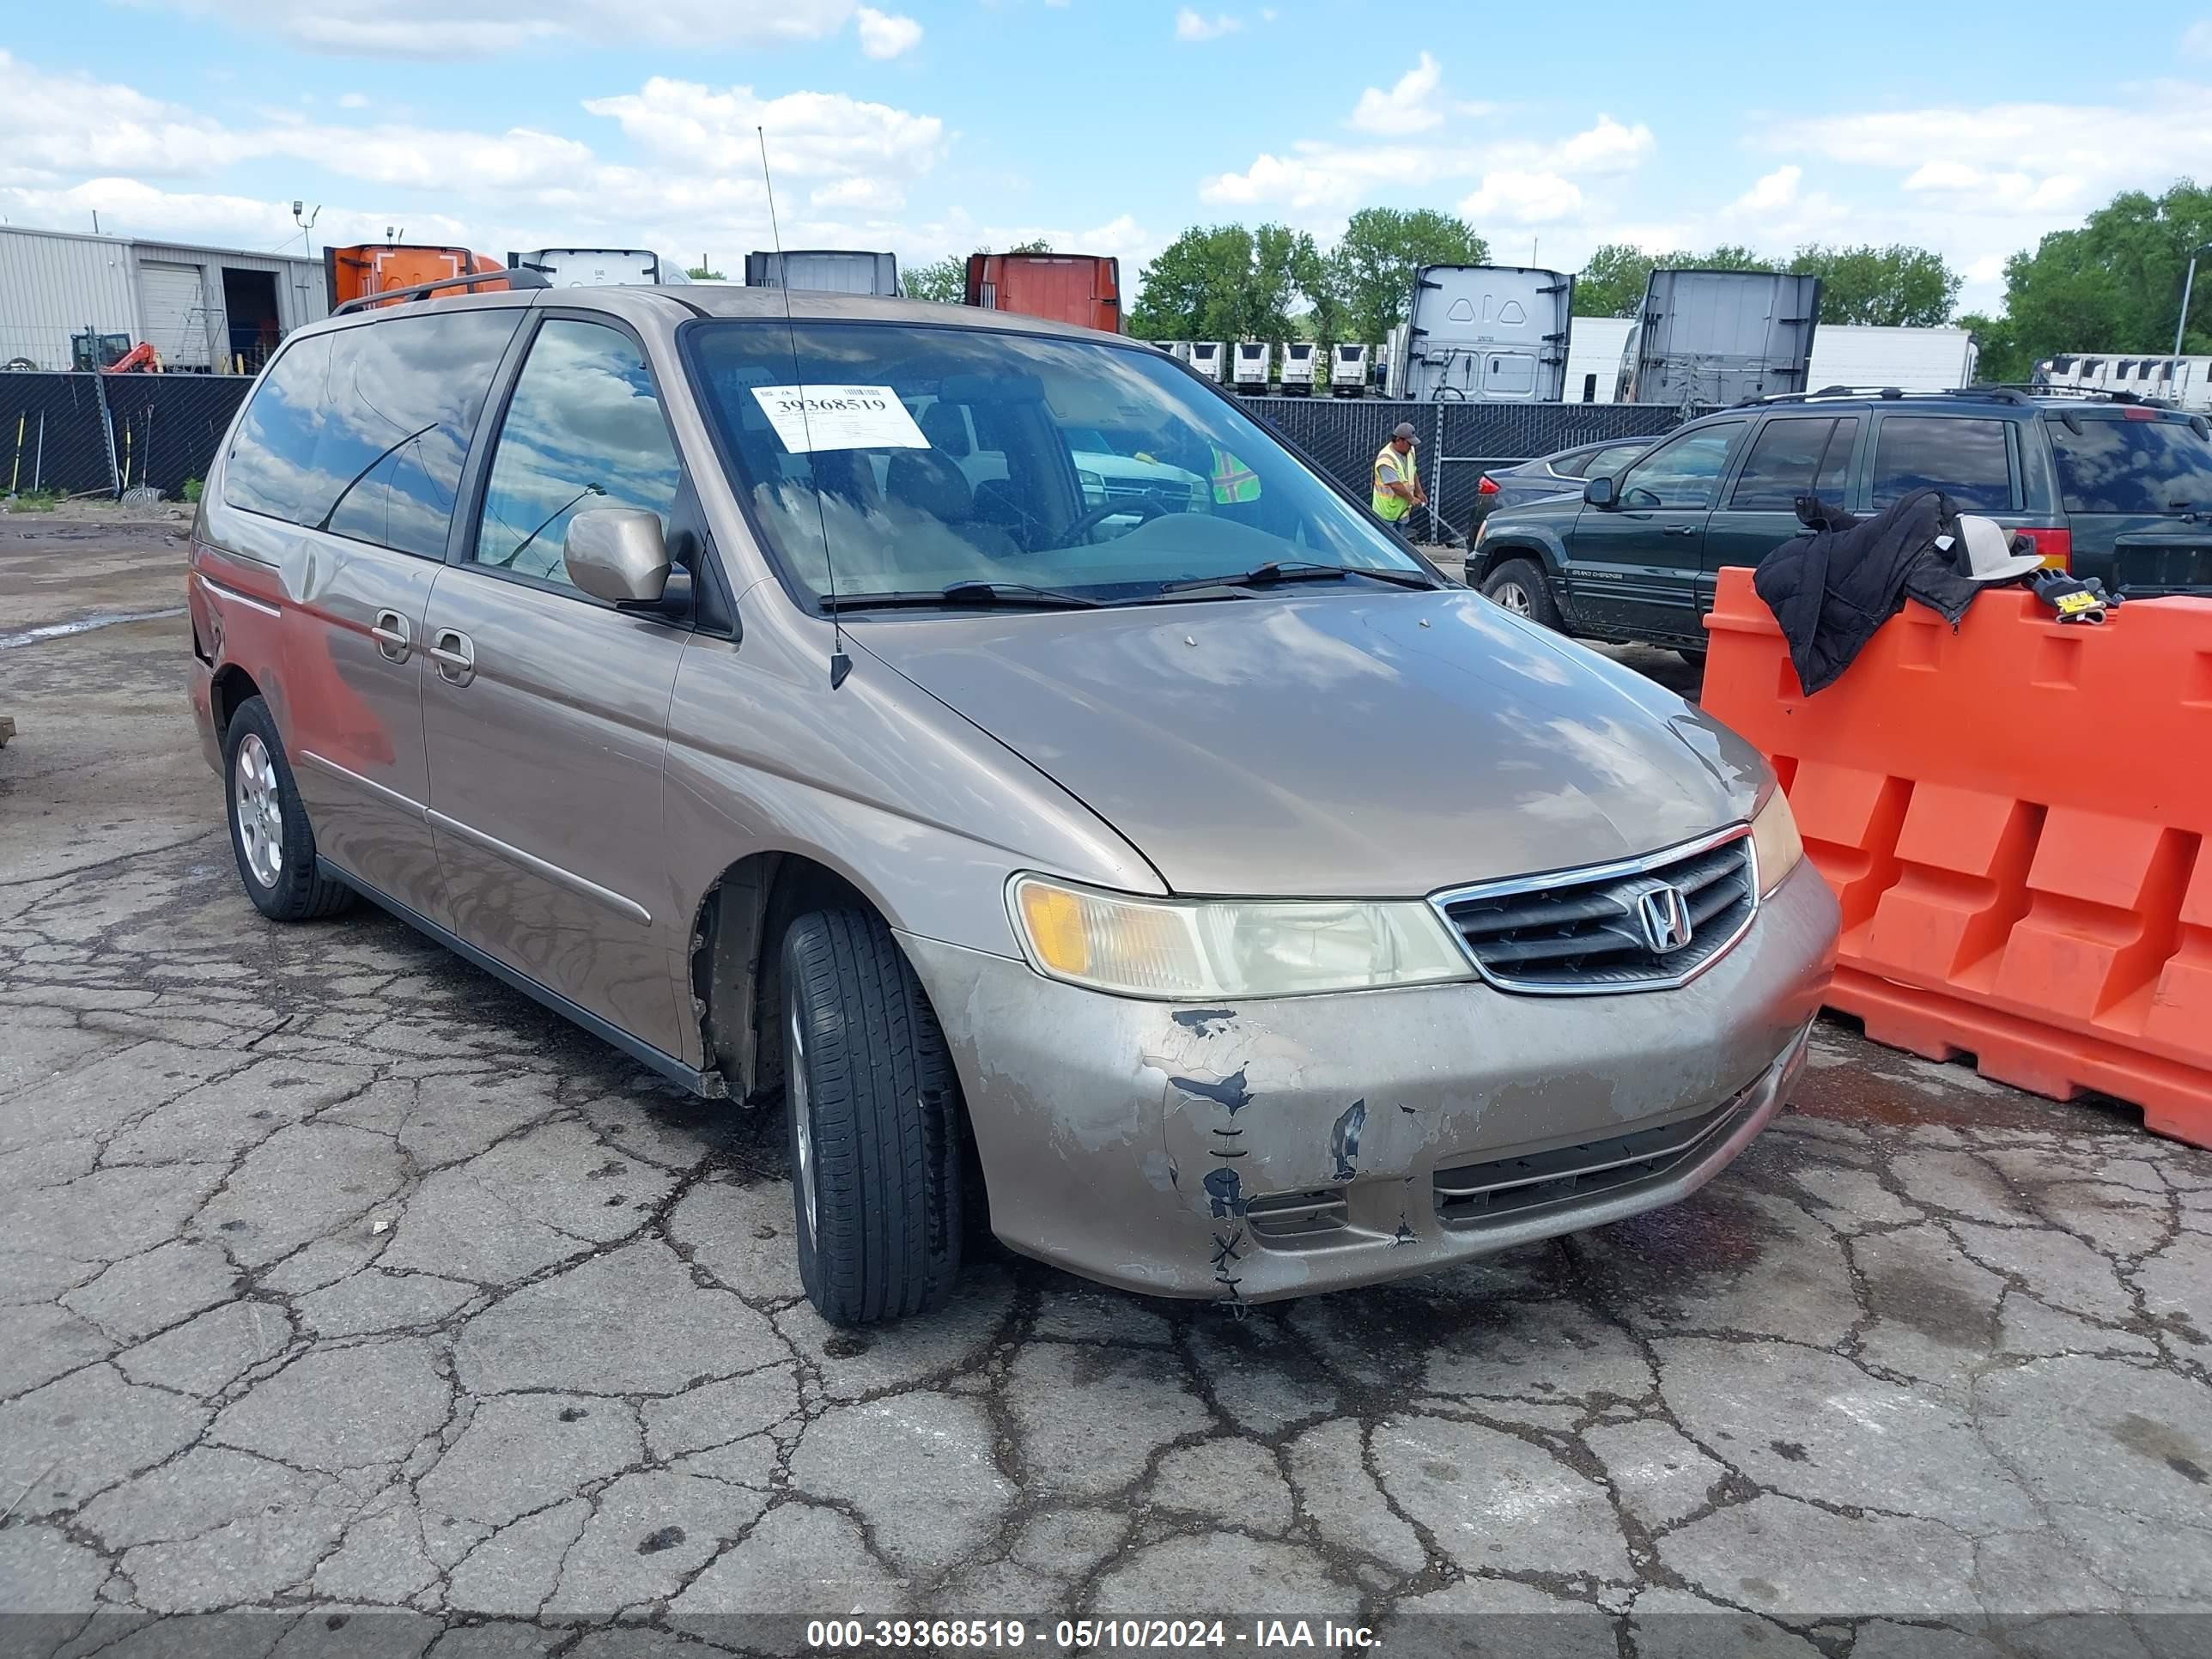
<point x="929" y="126"/>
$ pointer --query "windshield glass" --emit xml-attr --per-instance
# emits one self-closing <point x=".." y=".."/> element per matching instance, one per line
<point x="931" y="455"/>
<point x="2131" y="466"/>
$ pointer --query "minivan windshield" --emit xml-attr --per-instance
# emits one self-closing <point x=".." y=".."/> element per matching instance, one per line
<point x="920" y="457"/>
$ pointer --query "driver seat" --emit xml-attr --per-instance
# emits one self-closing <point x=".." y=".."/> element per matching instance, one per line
<point x="924" y="483"/>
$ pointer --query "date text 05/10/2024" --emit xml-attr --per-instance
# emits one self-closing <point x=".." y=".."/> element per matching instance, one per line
<point x="1086" y="1635"/>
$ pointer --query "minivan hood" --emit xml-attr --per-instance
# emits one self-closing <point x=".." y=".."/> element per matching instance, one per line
<point x="1339" y="744"/>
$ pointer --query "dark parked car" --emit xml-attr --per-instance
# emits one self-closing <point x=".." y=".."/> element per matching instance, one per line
<point x="2107" y="485"/>
<point x="1553" y="475"/>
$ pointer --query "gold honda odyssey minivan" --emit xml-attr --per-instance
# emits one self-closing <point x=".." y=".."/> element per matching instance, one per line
<point x="987" y="744"/>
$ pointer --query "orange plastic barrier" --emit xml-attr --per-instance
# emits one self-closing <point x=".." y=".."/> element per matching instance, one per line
<point x="2017" y="820"/>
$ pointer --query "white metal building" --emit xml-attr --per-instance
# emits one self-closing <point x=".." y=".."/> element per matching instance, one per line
<point x="202" y="308"/>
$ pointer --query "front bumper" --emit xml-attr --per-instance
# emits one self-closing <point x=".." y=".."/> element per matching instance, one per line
<point x="1287" y="1147"/>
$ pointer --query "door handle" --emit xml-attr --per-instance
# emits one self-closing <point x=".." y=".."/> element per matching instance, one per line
<point x="1681" y="530"/>
<point x="395" y="640"/>
<point x="455" y="654"/>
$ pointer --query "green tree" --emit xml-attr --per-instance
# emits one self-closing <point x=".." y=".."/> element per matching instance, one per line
<point x="944" y="281"/>
<point x="703" y="272"/>
<point x="1892" y="287"/>
<point x="2113" y="285"/>
<point x="1613" y="283"/>
<point x="1998" y="356"/>
<point x="1227" y="282"/>
<point x="1371" y="271"/>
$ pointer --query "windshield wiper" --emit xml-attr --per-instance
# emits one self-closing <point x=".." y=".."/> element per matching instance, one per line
<point x="1268" y="575"/>
<point x="1012" y="596"/>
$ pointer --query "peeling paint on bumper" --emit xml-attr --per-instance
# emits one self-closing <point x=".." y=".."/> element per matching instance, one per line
<point x="1284" y="1147"/>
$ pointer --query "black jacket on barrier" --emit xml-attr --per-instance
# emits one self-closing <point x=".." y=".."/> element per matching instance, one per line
<point x="1831" y="588"/>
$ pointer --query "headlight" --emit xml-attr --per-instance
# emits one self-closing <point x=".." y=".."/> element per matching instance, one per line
<point x="1091" y="482"/>
<point x="1481" y="532"/>
<point x="1775" y="840"/>
<point x="1187" y="950"/>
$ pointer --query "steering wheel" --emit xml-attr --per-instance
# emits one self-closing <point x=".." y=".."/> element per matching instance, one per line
<point x="1144" y="506"/>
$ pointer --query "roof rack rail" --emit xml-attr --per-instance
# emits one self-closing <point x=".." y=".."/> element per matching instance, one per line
<point x="514" y="276"/>
<point x="2026" y="392"/>
<point x="1890" y="392"/>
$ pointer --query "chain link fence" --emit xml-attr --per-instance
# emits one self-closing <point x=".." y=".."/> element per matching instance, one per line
<point x="108" y="434"/>
<point x="1458" y="440"/>
<point x="81" y="435"/>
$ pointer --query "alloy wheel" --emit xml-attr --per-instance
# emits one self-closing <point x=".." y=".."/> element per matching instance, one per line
<point x="260" y="815"/>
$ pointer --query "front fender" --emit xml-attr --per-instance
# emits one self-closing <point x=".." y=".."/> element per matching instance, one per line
<point x="1512" y="538"/>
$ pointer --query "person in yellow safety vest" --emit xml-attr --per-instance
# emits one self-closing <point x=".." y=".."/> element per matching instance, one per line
<point x="1397" y="480"/>
<point x="1233" y="481"/>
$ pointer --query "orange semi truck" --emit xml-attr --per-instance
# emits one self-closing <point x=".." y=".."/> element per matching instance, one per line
<point x="373" y="267"/>
<point x="1068" y="288"/>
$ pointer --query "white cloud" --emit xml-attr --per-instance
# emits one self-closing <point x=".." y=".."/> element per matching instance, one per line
<point x="1410" y="106"/>
<point x="1318" y="176"/>
<point x="66" y="125"/>
<point x="69" y="146"/>
<point x="1608" y="147"/>
<point x="1979" y="182"/>
<point x="1778" y="189"/>
<point x="2168" y="131"/>
<point x="2196" y="39"/>
<point x="1523" y="181"/>
<point x="477" y="28"/>
<point x="353" y="100"/>
<point x="1190" y="26"/>
<point x="884" y="35"/>
<point x="1522" y="198"/>
<point x="860" y="192"/>
<point x="810" y="134"/>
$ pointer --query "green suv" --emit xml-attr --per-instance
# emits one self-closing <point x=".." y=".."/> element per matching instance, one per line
<point x="2107" y="485"/>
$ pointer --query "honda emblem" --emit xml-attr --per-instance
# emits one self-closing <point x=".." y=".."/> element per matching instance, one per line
<point x="1664" y="915"/>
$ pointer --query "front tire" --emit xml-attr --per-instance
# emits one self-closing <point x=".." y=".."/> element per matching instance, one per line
<point x="871" y="1106"/>
<point x="269" y="835"/>
<point x="1520" y="586"/>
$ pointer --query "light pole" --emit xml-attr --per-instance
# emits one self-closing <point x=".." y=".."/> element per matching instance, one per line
<point x="2189" y="281"/>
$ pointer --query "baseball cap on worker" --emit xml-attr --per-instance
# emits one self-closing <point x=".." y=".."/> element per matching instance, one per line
<point x="1406" y="431"/>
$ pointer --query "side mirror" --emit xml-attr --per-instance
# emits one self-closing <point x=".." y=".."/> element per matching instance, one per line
<point x="617" y="554"/>
<point x="1598" y="492"/>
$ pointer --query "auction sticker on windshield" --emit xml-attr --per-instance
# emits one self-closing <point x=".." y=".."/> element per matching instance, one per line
<point x="808" y="418"/>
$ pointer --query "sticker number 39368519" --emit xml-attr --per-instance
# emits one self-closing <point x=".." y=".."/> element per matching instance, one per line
<point x="810" y="417"/>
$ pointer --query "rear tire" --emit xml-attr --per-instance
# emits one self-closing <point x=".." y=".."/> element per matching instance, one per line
<point x="1520" y="586"/>
<point x="269" y="835"/>
<point x="873" y="1107"/>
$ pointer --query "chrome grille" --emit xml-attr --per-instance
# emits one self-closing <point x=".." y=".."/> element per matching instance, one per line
<point x="1611" y="927"/>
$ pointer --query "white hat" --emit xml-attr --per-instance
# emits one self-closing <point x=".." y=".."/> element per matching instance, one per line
<point x="1989" y="557"/>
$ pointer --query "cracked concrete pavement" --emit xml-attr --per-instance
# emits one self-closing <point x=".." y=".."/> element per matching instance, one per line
<point x="348" y="1293"/>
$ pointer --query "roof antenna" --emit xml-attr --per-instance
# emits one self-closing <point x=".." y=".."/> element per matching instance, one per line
<point x="839" y="664"/>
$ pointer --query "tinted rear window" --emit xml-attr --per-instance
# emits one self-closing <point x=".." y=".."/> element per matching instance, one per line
<point x="361" y="432"/>
<point x="1964" y="458"/>
<point x="1793" y="457"/>
<point x="2130" y="466"/>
